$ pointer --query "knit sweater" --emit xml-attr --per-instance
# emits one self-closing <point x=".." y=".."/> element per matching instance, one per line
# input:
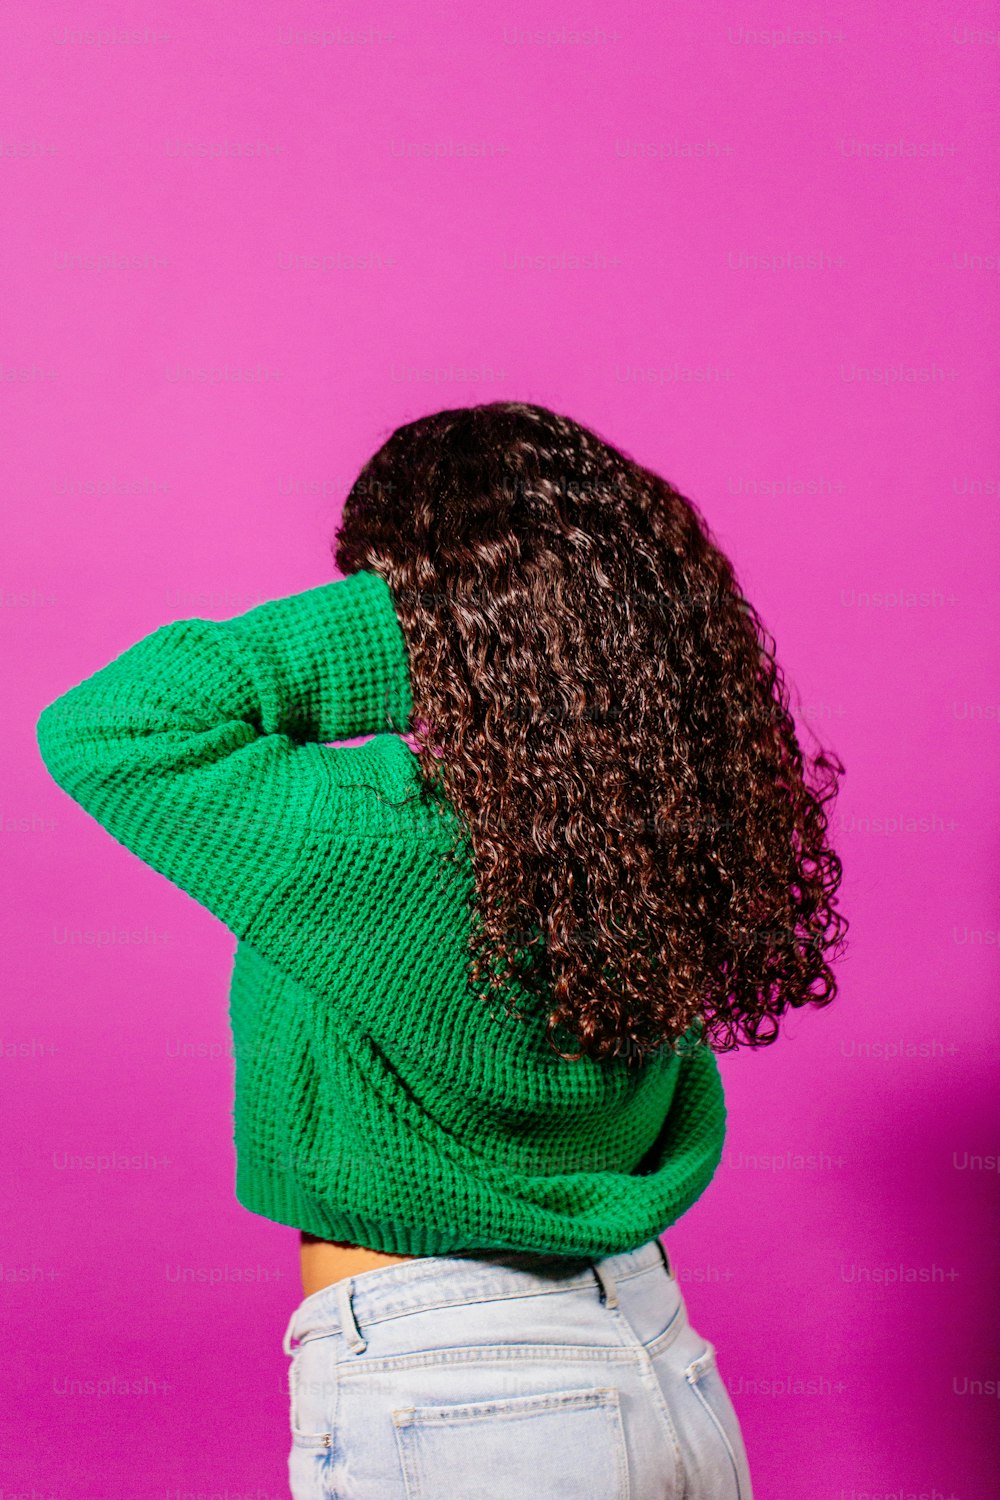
<point x="377" y="1100"/>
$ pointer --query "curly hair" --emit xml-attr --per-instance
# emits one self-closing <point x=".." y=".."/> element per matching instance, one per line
<point x="600" y="703"/>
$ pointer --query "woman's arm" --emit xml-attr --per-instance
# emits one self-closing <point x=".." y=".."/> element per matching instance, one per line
<point x="201" y="749"/>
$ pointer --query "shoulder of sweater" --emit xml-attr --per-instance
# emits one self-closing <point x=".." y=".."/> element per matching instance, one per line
<point x="385" y="773"/>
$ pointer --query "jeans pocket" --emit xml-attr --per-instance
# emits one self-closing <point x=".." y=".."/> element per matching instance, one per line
<point x="312" y="1394"/>
<point x="705" y="1379"/>
<point x="565" y="1445"/>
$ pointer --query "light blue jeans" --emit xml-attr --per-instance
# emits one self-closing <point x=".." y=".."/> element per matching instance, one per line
<point x="506" y="1376"/>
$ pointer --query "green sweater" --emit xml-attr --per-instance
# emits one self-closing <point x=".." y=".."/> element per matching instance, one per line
<point x="377" y="1100"/>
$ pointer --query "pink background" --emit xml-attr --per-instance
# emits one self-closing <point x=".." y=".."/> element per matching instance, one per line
<point x="397" y="225"/>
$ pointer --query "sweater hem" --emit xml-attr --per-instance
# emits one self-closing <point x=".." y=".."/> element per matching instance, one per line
<point x="276" y="1194"/>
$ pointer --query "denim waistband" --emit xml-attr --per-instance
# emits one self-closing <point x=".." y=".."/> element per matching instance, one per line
<point x="351" y="1304"/>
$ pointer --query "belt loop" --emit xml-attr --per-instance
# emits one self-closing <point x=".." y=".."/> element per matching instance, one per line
<point x="286" y="1342"/>
<point x="665" y="1257"/>
<point x="348" y="1325"/>
<point x="606" y="1282"/>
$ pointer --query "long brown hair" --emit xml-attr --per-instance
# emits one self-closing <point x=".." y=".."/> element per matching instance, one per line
<point x="595" y="696"/>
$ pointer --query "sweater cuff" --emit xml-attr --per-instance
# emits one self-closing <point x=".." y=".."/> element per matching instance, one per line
<point x="330" y="662"/>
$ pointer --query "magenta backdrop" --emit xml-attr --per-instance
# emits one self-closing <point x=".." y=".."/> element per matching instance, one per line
<point x="242" y="244"/>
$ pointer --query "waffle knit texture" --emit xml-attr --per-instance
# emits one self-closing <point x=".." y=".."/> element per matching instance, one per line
<point x="377" y="1100"/>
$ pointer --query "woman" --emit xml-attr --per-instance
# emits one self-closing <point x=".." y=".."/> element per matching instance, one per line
<point x="482" y="976"/>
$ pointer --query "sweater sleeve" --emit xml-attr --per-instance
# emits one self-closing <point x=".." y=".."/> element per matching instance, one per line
<point x="202" y="747"/>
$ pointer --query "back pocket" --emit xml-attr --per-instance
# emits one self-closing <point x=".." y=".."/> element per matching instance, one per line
<point x="565" y="1445"/>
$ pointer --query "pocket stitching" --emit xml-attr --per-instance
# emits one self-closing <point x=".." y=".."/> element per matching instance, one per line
<point x="593" y="1398"/>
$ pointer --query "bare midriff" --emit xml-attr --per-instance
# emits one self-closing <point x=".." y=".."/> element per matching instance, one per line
<point x="323" y="1262"/>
